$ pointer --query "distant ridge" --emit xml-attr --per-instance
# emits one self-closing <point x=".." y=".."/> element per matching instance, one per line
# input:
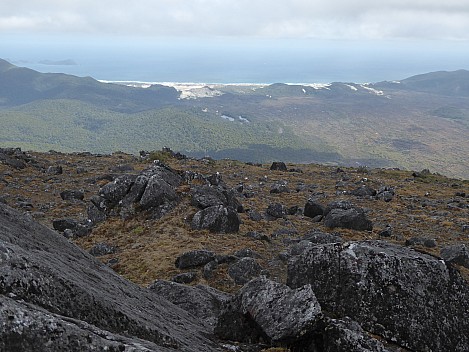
<point x="415" y="123"/>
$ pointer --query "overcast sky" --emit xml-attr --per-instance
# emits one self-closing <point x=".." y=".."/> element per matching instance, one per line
<point x="329" y="19"/>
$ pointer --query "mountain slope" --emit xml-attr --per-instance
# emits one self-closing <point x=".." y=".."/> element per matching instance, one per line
<point x="418" y="122"/>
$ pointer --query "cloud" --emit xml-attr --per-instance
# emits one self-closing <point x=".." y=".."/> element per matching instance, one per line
<point x="344" y="19"/>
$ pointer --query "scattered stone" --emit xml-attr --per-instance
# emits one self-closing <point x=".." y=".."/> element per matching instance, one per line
<point x="246" y="253"/>
<point x="244" y="270"/>
<point x="354" y="218"/>
<point x="216" y="219"/>
<point x="258" y="236"/>
<point x="254" y="215"/>
<point x="279" y="166"/>
<point x="72" y="195"/>
<point x="421" y="241"/>
<point x="385" y="193"/>
<point x="276" y="210"/>
<point x="386" y="232"/>
<point x="101" y="249"/>
<point x="55" y="170"/>
<point x="122" y="168"/>
<point x="280" y="187"/>
<point x="317" y="237"/>
<point x="363" y="191"/>
<point x="313" y="208"/>
<point x="185" y="278"/>
<point x="456" y="254"/>
<point x="62" y="224"/>
<point x="194" y="259"/>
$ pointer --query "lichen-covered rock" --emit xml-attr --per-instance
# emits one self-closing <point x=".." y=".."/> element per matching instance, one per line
<point x="216" y="219"/>
<point x="313" y="208"/>
<point x="244" y="270"/>
<point x="51" y="276"/>
<point x="282" y="314"/>
<point x="194" y="259"/>
<point x="456" y="254"/>
<point x="392" y="291"/>
<point x="201" y="301"/>
<point x="354" y="218"/>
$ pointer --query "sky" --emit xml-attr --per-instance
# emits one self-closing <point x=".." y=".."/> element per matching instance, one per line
<point x="406" y="27"/>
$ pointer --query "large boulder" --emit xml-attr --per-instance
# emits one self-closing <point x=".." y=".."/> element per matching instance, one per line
<point x="354" y="218"/>
<point x="204" y="302"/>
<point x="207" y="196"/>
<point x="244" y="270"/>
<point x="456" y="254"/>
<point x="56" y="297"/>
<point x="217" y="218"/>
<point x="392" y="291"/>
<point x="313" y="208"/>
<point x="281" y="314"/>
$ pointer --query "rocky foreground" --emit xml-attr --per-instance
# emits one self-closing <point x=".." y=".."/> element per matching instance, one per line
<point x="124" y="253"/>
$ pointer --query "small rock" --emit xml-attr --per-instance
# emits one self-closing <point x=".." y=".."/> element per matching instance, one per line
<point x="313" y="208"/>
<point x="386" y="232"/>
<point x="244" y="270"/>
<point x="185" y="278"/>
<point x="72" y="195"/>
<point x="246" y="253"/>
<point x="194" y="259"/>
<point x="55" y="170"/>
<point x="456" y="254"/>
<point x="280" y="187"/>
<point x="254" y="215"/>
<point x="354" y="218"/>
<point x="364" y="191"/>
<point x="279" y="166"/>
<point x="276" y="210"/>
<point x="62" y="224"/>
<point x="101" y="249"/>
<point x="421" y="241"/>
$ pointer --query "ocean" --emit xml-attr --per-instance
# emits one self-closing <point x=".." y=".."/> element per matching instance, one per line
<point x="234" y="60"/>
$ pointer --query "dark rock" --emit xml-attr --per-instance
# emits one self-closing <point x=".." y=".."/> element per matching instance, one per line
<point x="421" y="241"/>
<point x="317" y="237"/>
<point x="115" y="191"/>
<point x="157" y="193"/>
<point x="95" y="215"/>
<point x="276" y="210"/>
<point x="207" y="196"/>
<point x="465" y="228"/>
<point x="55" y="170"/>
<point x="285" y="232"/>
<point x="341" y="204"/>
<point x="254" y="215"/>
<point x="216" y="219"/>
<point x="354" y="219"/>
<point x="338" y="335"/>
<point x="203" y="302"/>
<point x="215" y="179"/>
<point x="279" y="166"/>
<point x="280" y="187"/>
<point x="122" y="168"/>
<point x="294" y="210"/>
<point x="102" y="248"/>
<point x="313" y="208"/>
<point x="257" y="236"/>
<point x="244" y="270"/>
<point x="209" y="268"/>
<point x="247" y="253"/>
<point x="72" y="195"/>
<point x="363" y="191"/>
<point x="391" y="291"/>
<point x="194" y="259"/>
<point x="386" y="232"/>
<point x="283" y="315"/>
<point x="460" y="194"/>
<point x="185" y="278"/>
<point x="456" y="254"/>
<point x="385" y="193"/>
<point x="66" y="300"/>
<point x="63" y="224"/>
<point x="81" y="170"/>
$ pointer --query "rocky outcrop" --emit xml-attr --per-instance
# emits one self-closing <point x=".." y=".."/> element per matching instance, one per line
<point x="152" y="192"/>
<point x="392" y="291"/>
<point x="56" y="297"/>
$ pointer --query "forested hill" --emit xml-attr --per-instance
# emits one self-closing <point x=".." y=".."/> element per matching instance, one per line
<point x="413" y="123"/>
